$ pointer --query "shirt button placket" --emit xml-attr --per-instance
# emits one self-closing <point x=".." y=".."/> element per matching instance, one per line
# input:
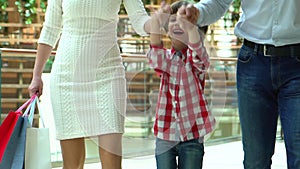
<point x="174" y="104"/>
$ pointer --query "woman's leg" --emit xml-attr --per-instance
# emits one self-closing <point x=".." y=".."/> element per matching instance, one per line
<point x="73" y="153"/>
<point x="110" y="151"/>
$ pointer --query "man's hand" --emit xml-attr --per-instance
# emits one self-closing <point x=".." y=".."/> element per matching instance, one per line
<point x="192" y="13"/>
<point x="185" y="24"/>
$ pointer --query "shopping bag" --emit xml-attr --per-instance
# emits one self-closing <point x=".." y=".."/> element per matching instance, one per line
<point x="14" y="151"/>
<point x="6" y="130"/>
<point x="37" y="151"/>
<point x="13" y="157"/>
<point x="8" y="125"/>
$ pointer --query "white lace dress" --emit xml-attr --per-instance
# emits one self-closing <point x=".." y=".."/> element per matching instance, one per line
<point x="87" y="85"/>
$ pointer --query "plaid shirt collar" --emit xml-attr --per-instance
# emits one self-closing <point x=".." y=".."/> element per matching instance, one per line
<point x="183" y="53"/>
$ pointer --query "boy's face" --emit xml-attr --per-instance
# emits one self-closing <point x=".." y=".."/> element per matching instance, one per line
<point x="178" y="35"/>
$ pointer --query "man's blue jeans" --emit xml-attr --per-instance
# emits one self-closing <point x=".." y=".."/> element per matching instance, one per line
<point x="190" y="154"/>
<point x="268" y="86"/>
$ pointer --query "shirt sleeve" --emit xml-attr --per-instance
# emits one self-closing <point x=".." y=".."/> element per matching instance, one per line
<point x="52" y="25"/>
<point x="199" y="60"/>
<point x="137" y="15"/>
<point x="157" y="59"/>
<point x="198" y="53"/>
<point x="211" y="10"/>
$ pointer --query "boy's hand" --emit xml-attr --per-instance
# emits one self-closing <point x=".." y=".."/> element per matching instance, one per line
<point x="187" y="21"/>
<point x="184" y="22"/>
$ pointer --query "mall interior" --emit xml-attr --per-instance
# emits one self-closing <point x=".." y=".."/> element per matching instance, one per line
<point x="20" y="26"/>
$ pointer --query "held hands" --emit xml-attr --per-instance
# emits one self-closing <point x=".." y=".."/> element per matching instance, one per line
<point x="184" y="23"/>
<point x="160" y="18"/>
<point x="190" y="12"/>
<point x="187" y="17"/>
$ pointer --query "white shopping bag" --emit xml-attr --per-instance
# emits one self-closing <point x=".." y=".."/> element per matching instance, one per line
<point x="37" y="151"/>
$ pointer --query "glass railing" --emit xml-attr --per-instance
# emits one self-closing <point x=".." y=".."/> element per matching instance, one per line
<point x="142" y="87"/>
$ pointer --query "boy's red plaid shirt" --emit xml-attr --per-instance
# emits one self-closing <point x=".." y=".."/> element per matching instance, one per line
<point x="182" y="112"/>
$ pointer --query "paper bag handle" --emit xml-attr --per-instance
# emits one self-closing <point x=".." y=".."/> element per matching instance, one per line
<point x="41" y="113"/>
<point x="30" y="111"/>
<point x="26" y="103"/>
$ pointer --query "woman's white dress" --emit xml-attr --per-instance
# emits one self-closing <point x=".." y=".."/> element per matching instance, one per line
<point x="87" y="85"/>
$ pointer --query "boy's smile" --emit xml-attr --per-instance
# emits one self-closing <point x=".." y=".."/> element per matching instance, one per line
<point x="179" y="37"/>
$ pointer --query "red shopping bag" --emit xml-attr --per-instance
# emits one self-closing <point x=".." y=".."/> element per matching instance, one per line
<point x="6" y="130"/>
<point x="8" y="125"/>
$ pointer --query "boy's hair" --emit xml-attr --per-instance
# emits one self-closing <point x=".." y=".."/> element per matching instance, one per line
<point x="174" y="9"/>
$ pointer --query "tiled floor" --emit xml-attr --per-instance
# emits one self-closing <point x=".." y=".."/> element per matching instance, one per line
<point x="222" y="156"/>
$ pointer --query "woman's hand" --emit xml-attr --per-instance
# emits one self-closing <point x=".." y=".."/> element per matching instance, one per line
<point x="36" y="86"/>
<point x="161" y="16"/>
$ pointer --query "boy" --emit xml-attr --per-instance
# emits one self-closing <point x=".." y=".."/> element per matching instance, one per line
<point x="182" y="117"/>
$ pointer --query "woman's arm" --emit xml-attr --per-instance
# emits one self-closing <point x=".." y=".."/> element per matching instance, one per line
<point x="138" y="16"/>
<point x="53" y="23"/>
<point x="48" y="38"/>
<point x="36" y="85"/>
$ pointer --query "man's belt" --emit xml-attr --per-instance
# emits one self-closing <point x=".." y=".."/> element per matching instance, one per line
<point x="271" y="50"/>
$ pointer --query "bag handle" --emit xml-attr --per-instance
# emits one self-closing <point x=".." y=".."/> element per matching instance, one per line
<point x="26" y="103"/>
<point x="41" y="113"/>
<point x="29" y="112"/>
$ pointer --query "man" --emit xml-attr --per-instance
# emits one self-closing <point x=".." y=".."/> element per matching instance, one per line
<point x="268" y="74"/>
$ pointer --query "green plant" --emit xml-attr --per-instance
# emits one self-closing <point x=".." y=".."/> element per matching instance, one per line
<point x="43" y="5"/>
<point x="27" y="9"/>
<point x="3" y="15"/>
<point x="233" y="14"/>
<point x="4" y="4"/>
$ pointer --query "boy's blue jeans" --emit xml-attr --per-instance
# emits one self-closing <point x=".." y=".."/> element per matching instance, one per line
<point x="268" y="86"/>
<point x="190" y="154"/>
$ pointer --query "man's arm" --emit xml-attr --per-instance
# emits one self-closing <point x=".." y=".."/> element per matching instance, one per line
<point x="209" y="11"/>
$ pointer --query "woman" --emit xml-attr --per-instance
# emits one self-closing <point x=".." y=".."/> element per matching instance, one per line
<point x="87" y="85"/>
